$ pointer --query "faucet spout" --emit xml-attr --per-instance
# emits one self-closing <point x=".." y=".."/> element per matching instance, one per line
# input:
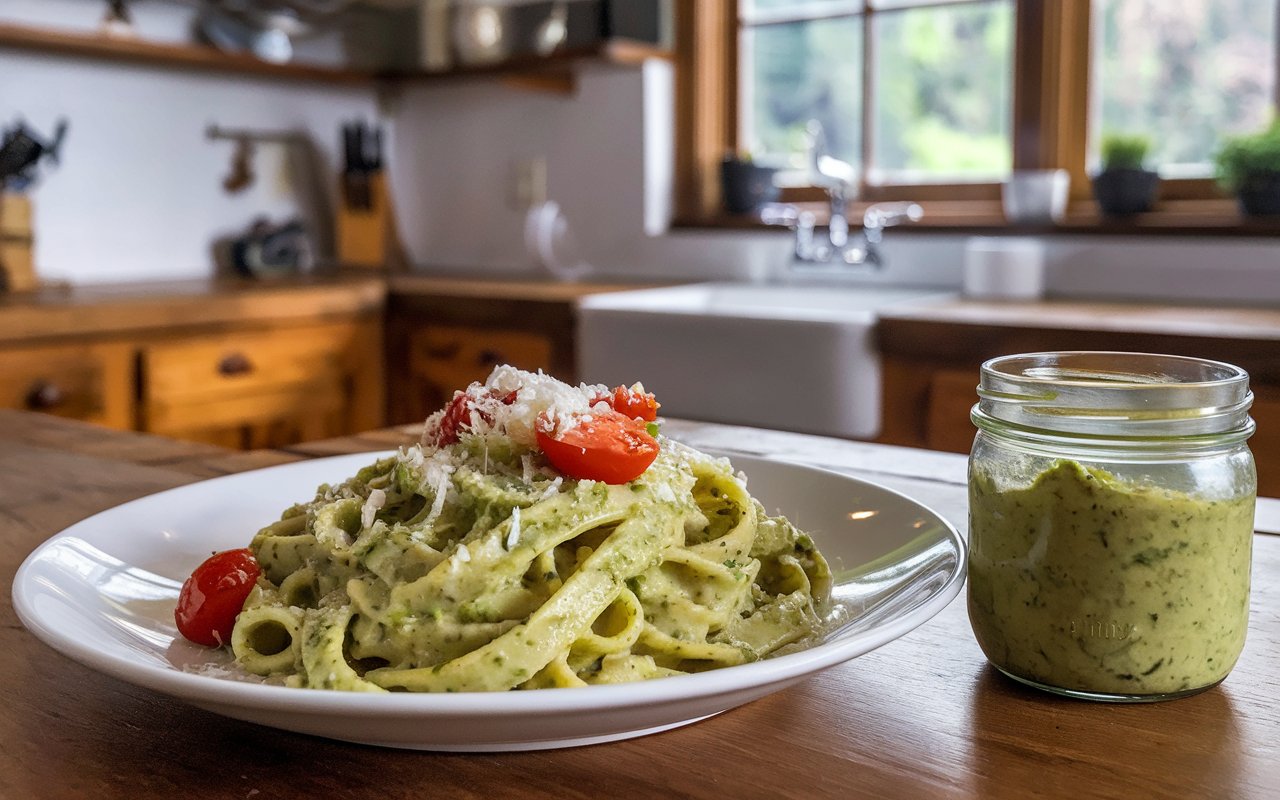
<point x="840" y="180"/>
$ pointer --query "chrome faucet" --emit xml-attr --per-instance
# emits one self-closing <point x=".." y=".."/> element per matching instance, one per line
<point x="840" y="180"/>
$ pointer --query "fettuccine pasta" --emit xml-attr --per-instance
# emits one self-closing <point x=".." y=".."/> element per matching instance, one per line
<point x="471" y="563"/>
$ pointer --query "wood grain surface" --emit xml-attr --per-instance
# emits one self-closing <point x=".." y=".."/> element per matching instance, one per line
<point x="921" y="717"/>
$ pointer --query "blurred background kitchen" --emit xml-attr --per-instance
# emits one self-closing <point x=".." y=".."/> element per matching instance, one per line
<point x="252" y="222"/>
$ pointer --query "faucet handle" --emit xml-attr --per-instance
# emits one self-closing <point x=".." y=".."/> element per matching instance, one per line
<point x="884" y="215"/>
<point x="779" y="214"/>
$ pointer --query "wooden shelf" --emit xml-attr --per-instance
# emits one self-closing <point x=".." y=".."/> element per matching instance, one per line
<point x="554" y="71"/>
<point x="178" y="56"/>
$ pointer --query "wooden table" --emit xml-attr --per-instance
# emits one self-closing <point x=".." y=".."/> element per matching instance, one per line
<point x="923" y="716"/>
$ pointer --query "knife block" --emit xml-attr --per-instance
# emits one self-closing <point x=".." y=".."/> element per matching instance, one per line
<point x="365" y="237"/>
<point x="17" y="265"/>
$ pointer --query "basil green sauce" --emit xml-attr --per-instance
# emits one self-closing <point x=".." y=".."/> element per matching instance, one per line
<point x="1085" y="582"/>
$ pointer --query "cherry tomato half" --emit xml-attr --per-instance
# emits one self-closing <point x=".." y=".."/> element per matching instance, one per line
<point x="457" y="414"/>
<point x="609" y="447"/>
<point x="634" y="404"/>
<point x="213" y="596"/>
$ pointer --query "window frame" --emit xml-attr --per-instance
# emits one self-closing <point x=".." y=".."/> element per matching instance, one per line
<point x="1051" y="64"/>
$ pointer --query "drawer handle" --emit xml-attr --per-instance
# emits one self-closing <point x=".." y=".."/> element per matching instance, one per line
<point x="45" y="396"/>
<point x="234" y="364"/>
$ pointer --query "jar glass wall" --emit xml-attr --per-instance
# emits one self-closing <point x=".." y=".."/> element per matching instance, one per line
<point x="1111" y="501"/>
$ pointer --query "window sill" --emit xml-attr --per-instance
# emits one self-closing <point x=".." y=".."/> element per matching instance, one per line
<point x="979" y="217"/>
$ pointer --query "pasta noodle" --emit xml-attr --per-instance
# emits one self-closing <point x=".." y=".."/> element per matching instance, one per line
<point x="475" y="565"/>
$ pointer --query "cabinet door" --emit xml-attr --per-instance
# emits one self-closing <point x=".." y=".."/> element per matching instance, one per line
<point x="263" y="388"/>
<point x="444" y="358"/>
<point x="90" y="382"/>
<point x="1265" y="443"/>
<point x="952" y="394"/>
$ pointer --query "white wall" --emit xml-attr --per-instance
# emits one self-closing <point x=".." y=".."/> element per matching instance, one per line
<point x="139" y="194"/>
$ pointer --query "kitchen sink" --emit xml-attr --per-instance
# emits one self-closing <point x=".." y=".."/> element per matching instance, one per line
<point x="800" y="358"/>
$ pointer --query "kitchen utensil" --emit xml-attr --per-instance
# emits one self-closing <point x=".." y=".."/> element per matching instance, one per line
<point x="362" y="157"/>
<point x="552" y="32"/>
<point x="481" y="32"/>
<point x="268" y="250"/>
<point x="21" y="149"/>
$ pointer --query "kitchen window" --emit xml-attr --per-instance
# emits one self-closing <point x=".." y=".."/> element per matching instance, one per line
<point x="1191" y="70"/>
<point x="937" y="100"/>
<point x="908" y="91"/>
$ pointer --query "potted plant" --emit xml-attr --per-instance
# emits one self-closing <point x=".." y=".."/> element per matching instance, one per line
<point x="1249" y="166"/>
<point x="1125" y="186"/>
<point x="746" y="185"/>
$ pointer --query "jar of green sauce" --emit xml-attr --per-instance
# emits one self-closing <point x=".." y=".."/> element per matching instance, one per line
<point x="1111" y="502"/>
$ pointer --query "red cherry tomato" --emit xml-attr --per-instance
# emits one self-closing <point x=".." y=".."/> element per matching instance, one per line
<point x="213" y="596"/>
<point x="609" y="447"/>
<point x="457" y="414"/>
<point x="636" y="405"/>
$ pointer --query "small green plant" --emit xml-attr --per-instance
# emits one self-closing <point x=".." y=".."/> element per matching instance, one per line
<point x="1242" y="157"/>
<point x="1124" y="151"/>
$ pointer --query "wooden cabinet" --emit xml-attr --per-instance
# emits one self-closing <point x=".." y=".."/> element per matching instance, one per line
<point x="241" y="365"/>
<point x="443" y="334"/>
<point x="90" y="382"/>
<point x="442" y="358"/>
<point x="261" y="388"/>
<point x="932" y="359"/>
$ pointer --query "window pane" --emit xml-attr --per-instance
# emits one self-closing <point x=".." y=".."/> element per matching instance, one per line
<point x="1183" y="73"/>
<point x="942" y="93"/>
<point x="795" y="72"/>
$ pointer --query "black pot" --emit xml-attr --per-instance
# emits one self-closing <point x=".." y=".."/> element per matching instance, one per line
<point x="1259" y="194"/>
<point x="1124" y="191"/>
<point x="746" y="186"/>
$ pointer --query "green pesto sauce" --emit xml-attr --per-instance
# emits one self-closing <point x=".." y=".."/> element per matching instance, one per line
<point x="1084" y="582"/>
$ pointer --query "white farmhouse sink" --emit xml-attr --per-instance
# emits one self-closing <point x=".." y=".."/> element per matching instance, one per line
<point x="798" y="358"/>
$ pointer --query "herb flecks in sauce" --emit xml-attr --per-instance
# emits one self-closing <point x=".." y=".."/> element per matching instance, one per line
<point x="1085" y="582"/>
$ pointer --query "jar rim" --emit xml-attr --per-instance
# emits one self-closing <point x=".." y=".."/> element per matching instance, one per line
<point x="1116" y="393"/>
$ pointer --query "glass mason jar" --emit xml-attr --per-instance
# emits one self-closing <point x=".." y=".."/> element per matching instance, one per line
<point x="1111" y="501"/>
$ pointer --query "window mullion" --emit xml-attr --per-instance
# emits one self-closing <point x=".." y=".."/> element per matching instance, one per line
<point x="1051" y="88"/>
<point x="868" y="99"/>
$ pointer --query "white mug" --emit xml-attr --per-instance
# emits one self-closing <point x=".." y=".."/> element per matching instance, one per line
<point x="1003" y="268"/>
<point x="1037" y="196"/>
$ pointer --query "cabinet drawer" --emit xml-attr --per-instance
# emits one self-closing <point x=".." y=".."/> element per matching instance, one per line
<point x="443" y="358"/>
<point x="88" y="382"/>
<point x="246" y="377"/>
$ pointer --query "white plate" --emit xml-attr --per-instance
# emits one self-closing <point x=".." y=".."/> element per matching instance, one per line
<point x="103" y="591"/>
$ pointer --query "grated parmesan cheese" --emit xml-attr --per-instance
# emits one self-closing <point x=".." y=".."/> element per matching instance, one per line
<point x="369" y="511"/>
<point x="513" y="538"/>
<point x="552" y="488"/>
<point x="536" y="393"/>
